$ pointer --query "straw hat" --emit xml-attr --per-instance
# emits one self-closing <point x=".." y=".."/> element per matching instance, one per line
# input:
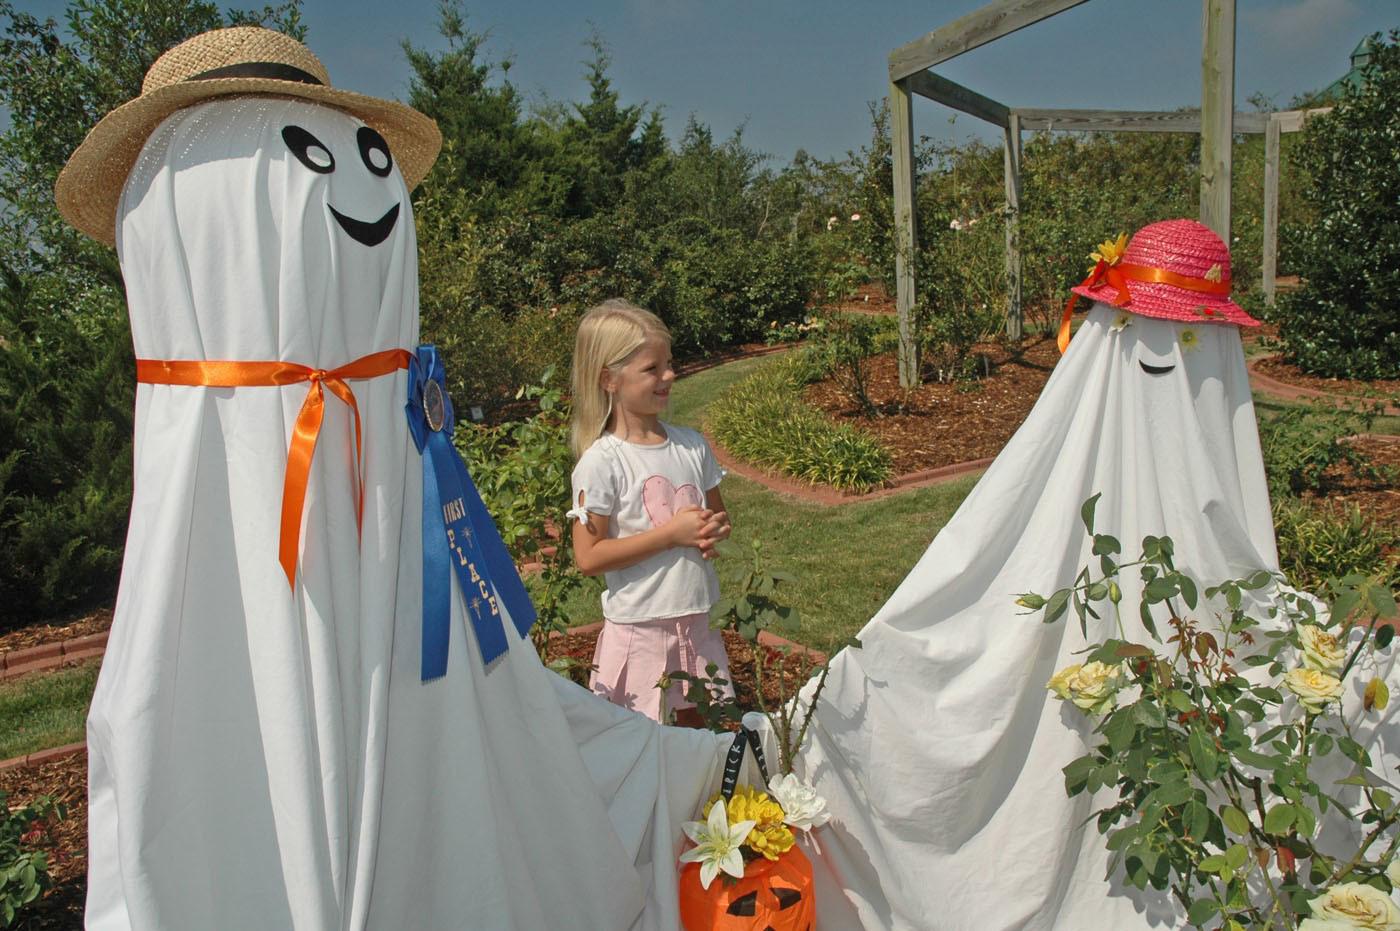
<point x="223" y="62"/>
<point x="1175" y="270"/>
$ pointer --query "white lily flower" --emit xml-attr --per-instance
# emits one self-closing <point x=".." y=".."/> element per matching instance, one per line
<point x="803" y="808"/>
<point x="716" y="844"/>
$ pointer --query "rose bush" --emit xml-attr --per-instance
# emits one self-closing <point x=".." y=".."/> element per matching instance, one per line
<point x="1211" y="742"/>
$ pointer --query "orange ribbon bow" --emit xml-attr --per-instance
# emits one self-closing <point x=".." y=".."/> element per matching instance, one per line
<point x="308" y="423"/>
<point x="1119" y="275"/>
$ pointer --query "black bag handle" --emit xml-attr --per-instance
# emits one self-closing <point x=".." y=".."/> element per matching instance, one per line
<point x="735" y="759"/>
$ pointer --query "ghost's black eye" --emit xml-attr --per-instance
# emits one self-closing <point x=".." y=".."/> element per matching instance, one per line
<point x="308" y="150"/>
<point x="375" y="151"/>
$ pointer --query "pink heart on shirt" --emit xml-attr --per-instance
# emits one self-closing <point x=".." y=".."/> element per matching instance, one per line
<point x="663" y="499"/>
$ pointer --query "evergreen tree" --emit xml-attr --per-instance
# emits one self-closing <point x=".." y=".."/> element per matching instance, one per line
<point x="66" y="371"/>
<point x="492" y="155"/>
<point x="1345" y="319"/>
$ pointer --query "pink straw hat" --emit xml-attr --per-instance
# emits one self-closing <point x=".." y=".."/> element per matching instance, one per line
<point x="1182" y="249"/>
<point x="1174" y="270"/>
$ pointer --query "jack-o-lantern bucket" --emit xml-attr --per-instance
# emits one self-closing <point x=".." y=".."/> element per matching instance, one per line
<point x="773" y="895"/>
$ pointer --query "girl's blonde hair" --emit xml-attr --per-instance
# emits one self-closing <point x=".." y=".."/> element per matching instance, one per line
<point x="607" y="335"/>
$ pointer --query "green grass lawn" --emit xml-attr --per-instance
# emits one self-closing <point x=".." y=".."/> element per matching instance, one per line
<point x="45" y="709"/>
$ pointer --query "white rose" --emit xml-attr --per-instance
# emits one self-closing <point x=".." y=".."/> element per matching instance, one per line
<point x="1392" y="873"/>
<point x="1325" y="924"/>
<point x="1321" y="651"/>
<point x="803" y="808"/>
<point x="1359" y="905"/>
<point x="1315" y="689"/>
<point x="1091" y="687"/>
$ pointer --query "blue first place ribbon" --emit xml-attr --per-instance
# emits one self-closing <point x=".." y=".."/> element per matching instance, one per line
<point x="458" y="533"/>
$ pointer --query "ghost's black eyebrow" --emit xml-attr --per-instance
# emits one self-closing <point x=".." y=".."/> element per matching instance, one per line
<point x="300" y="142"/>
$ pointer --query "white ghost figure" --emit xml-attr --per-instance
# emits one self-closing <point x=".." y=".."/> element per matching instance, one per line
<point x="266" y="756"/>
<point x="936" y="744"/>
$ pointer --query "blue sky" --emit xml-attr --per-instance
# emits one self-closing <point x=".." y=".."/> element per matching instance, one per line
<point x="799" y="74"/>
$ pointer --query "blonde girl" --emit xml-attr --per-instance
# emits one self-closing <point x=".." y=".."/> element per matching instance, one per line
<point x="647" y="512"/>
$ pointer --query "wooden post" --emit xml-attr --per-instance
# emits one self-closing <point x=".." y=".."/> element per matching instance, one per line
<point x="1217" y="113"/>
<point x="1271" y="169"/>
<point x="1012" y="152"/>
<point x="902" y="145"/>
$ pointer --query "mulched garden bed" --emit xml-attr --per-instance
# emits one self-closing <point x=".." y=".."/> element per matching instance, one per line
<point x="936" y="424"/>
<point x="65" y="781"/>
<point x="57" y="630"/>
<point x="1375" y="498"/>
<point x="1344" y="388"/>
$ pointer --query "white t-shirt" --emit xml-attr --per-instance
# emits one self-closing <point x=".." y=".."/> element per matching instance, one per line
<point x="640" y="487"/>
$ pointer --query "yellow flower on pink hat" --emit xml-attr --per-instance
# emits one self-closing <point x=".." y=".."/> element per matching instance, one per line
<point x="1110" y="251"/>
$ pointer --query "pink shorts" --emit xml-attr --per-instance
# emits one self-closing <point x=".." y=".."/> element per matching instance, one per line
<point x="631" y="658"/>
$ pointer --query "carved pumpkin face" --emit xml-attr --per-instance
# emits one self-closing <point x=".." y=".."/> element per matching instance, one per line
<point x="774" y="895"/>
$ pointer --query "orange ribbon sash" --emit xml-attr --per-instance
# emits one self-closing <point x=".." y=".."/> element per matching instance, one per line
<point x="1119" y="275"/>
<point x="305" y="431"/>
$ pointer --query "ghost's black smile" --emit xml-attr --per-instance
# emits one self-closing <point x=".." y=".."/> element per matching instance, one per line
<point x="369" y="234"/>
<point x="1155" y="369"/>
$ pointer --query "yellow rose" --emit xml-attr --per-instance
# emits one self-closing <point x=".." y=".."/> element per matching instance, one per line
<point x="1315" y="689"/>
<point x="1321" y="650"/>
<point x="1392" y="873"/>
<point x="1091" y="687"/>
<point x="1361" y="905"/>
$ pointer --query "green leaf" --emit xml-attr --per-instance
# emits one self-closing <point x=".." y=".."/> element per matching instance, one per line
<point x="1195" y="818"/>
<point x="1188" y="590"/>
<point x="1201" y="911"/>
<point x="1237" y="856"/>
<point x="1212" y="863"/>
<point x="1179" y="700"/>
<point x="1306" y="822"/>
<point x="1145" y="614"/>
<point x="1086" y="511"/>
<point x="1057" y="605"/>
<point x="1203" y="754"/>
<point x="1384" y="635"/>
<point x="1235" y="819"/>
<point x="1077" y="774"/>
<point x="1279" y="819"/>
<point x="1105" y="545"/>
<point x="1382" y="601"/>
<point x="1119" y="730"/>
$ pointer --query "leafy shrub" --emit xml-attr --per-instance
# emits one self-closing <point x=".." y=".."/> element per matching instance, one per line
<point x="1320" y="541"/>
<point x="1342" y="321"/>
<point x="522" y="470"/>
<point x="846" y="345"/>
<point x="1300" y="444"/>
<point x="1219" y="776"/>
<point x="66" y="397"/>
<point x="24" y="869"/>
<point x="763" y="420"/>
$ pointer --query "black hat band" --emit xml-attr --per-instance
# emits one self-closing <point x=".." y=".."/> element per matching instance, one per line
<point x="258" y="69"/>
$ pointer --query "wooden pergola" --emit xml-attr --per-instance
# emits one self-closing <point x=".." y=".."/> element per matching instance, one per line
<point x="1216" y="122"/>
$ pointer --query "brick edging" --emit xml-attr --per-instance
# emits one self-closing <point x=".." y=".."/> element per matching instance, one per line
<point x="15" y="663"/>
<point x="1267" y="384"/>
<point x="43" y="756"/>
